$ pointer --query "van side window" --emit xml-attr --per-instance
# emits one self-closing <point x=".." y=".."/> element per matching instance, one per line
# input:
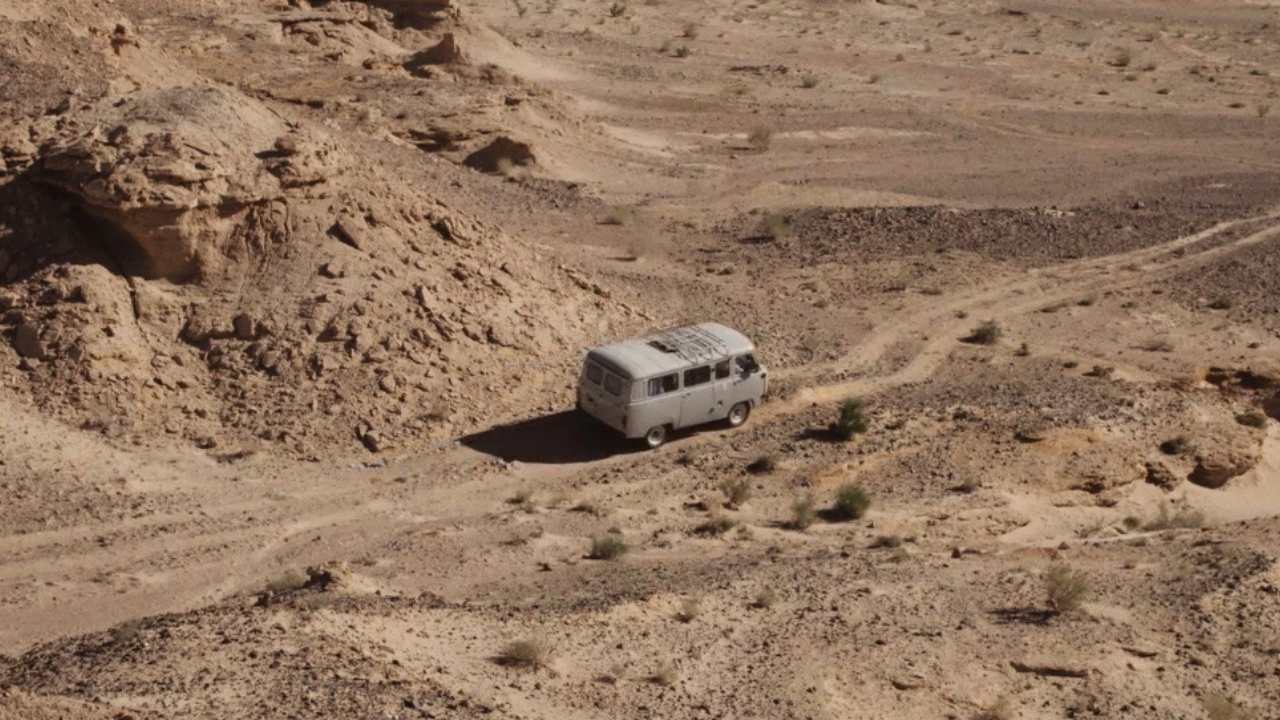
<point x="697" y="376"/>
<point x="594" y="373"/>
<point x="722" y="369"/>
<point x="664" y="384"/>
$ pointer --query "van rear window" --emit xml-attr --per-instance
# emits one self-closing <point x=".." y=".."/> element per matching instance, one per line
<point x="595" y="373"/>
<point x="613" y="384"/>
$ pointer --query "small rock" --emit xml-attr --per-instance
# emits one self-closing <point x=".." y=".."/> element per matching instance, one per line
<point x="27" y="342"/>
<point x="244" y="326"/>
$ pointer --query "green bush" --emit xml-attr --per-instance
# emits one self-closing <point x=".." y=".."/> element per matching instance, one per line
<point x="852" y="502"/>
<point x="853" y="419"/>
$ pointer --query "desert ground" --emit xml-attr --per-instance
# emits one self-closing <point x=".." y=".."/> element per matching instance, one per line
<point x="294" y="297"/>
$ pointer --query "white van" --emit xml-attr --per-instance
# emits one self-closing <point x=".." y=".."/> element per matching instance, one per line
<point x="646" y="387"/>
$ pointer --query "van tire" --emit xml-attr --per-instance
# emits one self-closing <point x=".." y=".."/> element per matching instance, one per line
<point x="739" y="413"/>
<point x="656" y="436"/>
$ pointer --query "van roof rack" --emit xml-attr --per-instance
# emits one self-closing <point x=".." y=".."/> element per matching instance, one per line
<point x="691" y="343"/>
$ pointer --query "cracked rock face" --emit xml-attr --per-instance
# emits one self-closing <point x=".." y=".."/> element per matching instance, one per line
<point x="171" y="194"/>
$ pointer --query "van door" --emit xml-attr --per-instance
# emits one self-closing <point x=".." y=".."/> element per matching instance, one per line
<point x="698" y="397"/>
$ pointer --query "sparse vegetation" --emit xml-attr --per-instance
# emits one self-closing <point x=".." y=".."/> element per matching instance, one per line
<point x="716" y="524"/>
<point x="851" y="503"/>
<point x="886" y="541"/>
<point x="1101" y="371"/>
<point x="617" y="9"/>
<point x="737" y="491"/>
<point x="682" y="51"/>
<point x="1221" y="303"/>
<point x="610" y="546"/>
<point x="690" y="31"/>
<point x="765" y="599"/>
<point x="1160" y="346"/>
<point x="666" y="675"/>
<point x="763" y="465"/>
<point x="852" y="420"/>
<point x="988" y="333"/>
<point x="690" y="609"/>
<point x="523" y="500"/>
<point x="618" y="216"/>
<point x="1182" y="517"/>
<point x="532" y="653"/>
<point x="760" y="138"/>
<point x="809" y="81"/>
<point x="1066" y="588"/>
<point x="776" y="226"/>
<point x="803" y="512"/>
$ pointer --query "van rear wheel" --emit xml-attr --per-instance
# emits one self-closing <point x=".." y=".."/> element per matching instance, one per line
<point x="656" y="436"/>
<point x="739" y="413"/>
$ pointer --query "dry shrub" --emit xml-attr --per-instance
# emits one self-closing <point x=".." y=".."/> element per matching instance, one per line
<point x="690" y="609"/>
<point x="760" y="138"/>
<point x="765" y="599"/>
<point x="803" y="512"/>
<point x="666" y="675"/>
<point x="988" y="333"/>
<point x="1066" y="588"/>
<point x="607" y="547"/>
<point x="532" y="653"/>
<point x="1179" y="518"/>
<point x="737" y="491"/>
<point x="776" y="226"/>
<point x="763" y="465"/>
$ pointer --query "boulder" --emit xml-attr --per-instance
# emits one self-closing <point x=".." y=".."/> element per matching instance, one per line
<point x="1271" y="406"/>
<point x="1216" y="471"/>
<point x="500" y="153"/>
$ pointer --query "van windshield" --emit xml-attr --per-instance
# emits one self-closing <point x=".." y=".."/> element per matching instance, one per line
<point x="595" y="373"/>
<point x="612" y="384"/>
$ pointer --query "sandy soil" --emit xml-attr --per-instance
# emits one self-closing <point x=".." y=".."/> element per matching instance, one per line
<point x="293" y="295"/>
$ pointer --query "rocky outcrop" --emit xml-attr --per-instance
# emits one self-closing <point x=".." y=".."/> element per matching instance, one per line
<point x="169" y="197"/>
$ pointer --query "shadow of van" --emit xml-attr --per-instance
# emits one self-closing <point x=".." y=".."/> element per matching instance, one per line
<point x="557" y="439"/>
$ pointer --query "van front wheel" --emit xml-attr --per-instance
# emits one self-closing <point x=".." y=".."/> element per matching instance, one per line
<point x="656" y="436"/>
<point x="739" y="413"/>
